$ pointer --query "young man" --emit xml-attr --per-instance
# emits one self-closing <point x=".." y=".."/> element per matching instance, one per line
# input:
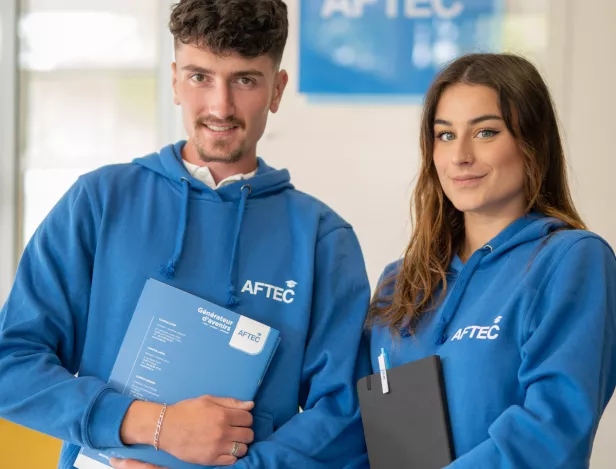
<point x="210" y="218"/>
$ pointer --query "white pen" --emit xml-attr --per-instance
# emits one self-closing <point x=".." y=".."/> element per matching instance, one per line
<point x="383" y="366"/>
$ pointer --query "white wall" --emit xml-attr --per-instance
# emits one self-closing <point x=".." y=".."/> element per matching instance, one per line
<point x="589" y="111"/>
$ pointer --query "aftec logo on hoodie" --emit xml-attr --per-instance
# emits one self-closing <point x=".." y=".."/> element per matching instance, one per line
<point x="271" y="292"/>
<point x="479" y="332"/>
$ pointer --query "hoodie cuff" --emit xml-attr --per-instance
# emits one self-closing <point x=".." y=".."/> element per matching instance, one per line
<point x="105" y="420"/>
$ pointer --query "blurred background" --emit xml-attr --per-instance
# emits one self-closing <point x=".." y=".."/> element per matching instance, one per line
<point x="84" y="83"/>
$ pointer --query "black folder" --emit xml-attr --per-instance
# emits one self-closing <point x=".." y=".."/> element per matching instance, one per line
<point x="408" y="427"/>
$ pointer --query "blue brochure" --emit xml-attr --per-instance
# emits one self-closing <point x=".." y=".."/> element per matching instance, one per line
<point x="178" y="347"/>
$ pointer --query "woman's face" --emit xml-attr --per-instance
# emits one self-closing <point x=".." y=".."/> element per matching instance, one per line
<point x="479" y="164"/>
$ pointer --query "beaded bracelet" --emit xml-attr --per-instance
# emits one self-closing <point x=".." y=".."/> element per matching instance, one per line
<point x="159" y="425"/>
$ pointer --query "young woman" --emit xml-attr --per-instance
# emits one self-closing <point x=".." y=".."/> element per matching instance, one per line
<point x="501" y="277"/>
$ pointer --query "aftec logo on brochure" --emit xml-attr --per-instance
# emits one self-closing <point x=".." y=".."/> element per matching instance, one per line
<point x="249" y="336"/>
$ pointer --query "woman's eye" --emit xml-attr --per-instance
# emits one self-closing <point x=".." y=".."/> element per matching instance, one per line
<point x="446" y="136"/>
<point x="487" y="133"/>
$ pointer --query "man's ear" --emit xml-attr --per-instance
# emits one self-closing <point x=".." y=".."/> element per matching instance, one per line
<point x="280" y="83"/>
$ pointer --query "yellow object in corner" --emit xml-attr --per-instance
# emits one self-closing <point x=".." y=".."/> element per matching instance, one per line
<point x="21" y="448"/>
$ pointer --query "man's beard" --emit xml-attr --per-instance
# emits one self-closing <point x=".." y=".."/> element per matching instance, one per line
<point x="232" y="157"/>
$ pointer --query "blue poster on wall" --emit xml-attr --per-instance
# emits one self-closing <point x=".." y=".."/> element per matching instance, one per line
<point x="389" y="47"/>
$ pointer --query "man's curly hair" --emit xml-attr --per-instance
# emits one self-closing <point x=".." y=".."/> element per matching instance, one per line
<point x="250" y="28"/>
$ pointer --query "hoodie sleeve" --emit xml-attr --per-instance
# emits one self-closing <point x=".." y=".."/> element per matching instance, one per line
<point x="42" y="331"/>
<point x="568" y="369"/>
<point x="328" y="434"/>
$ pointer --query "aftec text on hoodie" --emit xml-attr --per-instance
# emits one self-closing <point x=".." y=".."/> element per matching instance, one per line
<point x="527" y="337"/>
<point x="81" y="275"/>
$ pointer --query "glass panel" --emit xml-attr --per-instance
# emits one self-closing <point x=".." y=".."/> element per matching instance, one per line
<point x="88" y="83"/>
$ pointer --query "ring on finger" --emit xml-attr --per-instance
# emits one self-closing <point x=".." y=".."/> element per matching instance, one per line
<point x="236" y="448"/>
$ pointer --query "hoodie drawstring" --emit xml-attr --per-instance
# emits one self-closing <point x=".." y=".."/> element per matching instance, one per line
<point x="169" y="269"/>
<point x="233" y="299"/>
<point x="456" y="294"/>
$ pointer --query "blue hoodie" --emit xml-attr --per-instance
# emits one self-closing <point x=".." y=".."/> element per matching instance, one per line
<point x="527" y="337"/>
<point x="80" y="277"/>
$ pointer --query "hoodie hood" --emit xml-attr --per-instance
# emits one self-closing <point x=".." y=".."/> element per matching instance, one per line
<point x="527" y="229"/>
<point x="168" y="163"/>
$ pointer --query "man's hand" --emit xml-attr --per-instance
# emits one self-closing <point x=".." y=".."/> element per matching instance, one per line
<point x="199" y="431"/>
<point x="131" y="464"/>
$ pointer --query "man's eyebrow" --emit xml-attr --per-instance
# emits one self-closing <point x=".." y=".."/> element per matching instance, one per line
<point x="240" y="73"/>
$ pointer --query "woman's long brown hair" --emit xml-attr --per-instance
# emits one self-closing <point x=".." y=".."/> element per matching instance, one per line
<point x="528" y="112"/>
